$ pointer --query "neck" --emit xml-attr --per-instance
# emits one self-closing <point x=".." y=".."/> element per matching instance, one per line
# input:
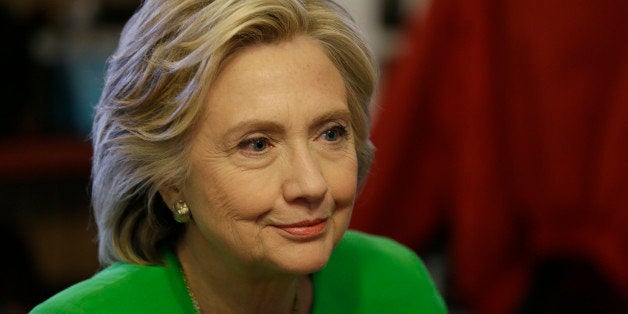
<point x="224" y="288"/>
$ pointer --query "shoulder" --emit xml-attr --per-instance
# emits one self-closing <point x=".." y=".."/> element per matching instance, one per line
<point x="378" y="249"/>
<point x="120" y="288"/>
<point x="375" y="274"/>
<point x="381" y="256"/>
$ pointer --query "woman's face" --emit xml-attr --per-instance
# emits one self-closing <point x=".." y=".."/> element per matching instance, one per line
<point x="273" y="163"/>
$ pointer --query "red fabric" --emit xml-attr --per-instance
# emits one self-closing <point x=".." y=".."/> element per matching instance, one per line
<point x="506" y="124"/>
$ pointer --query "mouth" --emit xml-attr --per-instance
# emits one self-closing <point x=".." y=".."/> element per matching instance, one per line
<point x="305" y="229"/>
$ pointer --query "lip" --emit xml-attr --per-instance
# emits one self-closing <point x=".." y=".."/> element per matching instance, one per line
<point x="305" y="229"/>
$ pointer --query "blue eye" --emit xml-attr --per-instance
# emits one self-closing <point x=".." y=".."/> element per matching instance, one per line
<point x="333" y="134"/>
<point x="255" y="144"/>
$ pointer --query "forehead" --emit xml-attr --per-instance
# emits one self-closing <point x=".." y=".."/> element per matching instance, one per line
<point x="301" y="60"/>
<point x="274" y="78"/>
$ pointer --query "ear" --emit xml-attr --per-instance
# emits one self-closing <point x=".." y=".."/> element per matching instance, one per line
<point x="170" y="194"/>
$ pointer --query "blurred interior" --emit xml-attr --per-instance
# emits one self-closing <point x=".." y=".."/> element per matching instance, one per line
<point x="469" y="68"/>
<point x="53" y="59"/>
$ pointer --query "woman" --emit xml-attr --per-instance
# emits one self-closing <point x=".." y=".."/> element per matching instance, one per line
<point x="229" y="142"/>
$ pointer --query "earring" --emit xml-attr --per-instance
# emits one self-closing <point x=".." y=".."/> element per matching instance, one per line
<point x="181" y="211"/>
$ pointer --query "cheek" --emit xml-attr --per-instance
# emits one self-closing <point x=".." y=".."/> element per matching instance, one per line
<point x="237" y="194"/>
<point x="342" y="180"/>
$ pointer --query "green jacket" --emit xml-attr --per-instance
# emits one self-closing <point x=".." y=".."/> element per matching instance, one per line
<point x="365" y="274"/>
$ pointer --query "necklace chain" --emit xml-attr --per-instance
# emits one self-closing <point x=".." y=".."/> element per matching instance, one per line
<point x="197" y="307"/>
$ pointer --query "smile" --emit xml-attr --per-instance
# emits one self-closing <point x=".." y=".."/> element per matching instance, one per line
<point x="305" y="229"/>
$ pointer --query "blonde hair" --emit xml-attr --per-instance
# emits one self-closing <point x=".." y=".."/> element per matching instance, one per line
<point x="168" y="55"/>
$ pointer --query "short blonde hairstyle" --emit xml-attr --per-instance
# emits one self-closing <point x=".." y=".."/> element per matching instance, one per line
<point x="169" y="53"/>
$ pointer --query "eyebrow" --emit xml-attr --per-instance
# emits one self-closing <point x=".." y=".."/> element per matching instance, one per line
<point x="273" y="126"/>
<point x="341" y="114"/>
<point x="256" y="124"/>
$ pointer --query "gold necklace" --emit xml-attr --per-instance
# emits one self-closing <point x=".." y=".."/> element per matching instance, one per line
<point x="197" y="307"/>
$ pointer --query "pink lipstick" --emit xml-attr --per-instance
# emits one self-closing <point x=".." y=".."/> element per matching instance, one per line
<point x="310" y="228"/>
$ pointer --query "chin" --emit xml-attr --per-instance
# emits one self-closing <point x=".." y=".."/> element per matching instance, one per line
<point x="308" y="263"/>
<point x="305" y="257"/>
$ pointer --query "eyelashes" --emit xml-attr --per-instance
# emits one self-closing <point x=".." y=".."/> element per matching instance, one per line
<point x="258" y="145"/>
<point x="335" y="133"/>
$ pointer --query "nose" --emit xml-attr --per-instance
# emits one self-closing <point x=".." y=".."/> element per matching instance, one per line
<point x="304" y="180"/>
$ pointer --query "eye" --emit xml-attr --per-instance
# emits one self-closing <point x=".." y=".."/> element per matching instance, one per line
<point x="335" y="133"/>
<point x="256" y="145"/>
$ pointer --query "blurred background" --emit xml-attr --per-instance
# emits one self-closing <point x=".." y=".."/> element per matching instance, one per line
<point x="502" y="146"/>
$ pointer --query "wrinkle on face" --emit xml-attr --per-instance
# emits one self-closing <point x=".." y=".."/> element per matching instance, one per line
<point x="288" y="93"/>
